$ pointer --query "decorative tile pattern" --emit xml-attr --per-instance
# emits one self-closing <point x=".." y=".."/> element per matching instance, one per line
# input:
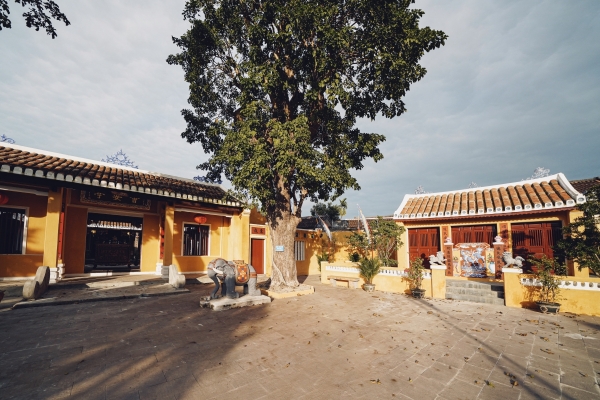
<point x="536" y="194"/>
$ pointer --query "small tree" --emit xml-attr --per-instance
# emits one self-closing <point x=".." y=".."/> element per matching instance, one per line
<point x="369" y="268"/>
<point x="582" y="241"/>
<point x="415" y="273"/>
<point x="549" y="273"/>
<point x="385" y="239"/>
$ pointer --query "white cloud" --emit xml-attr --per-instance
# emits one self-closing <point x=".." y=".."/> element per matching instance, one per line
<point x="514" y="88"/>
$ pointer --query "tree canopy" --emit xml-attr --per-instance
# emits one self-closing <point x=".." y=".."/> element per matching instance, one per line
<point x="329" y="211"/>
<point x="276" y="88"/>
<point x="39" y="15"/>
<point x="582" y="240"/>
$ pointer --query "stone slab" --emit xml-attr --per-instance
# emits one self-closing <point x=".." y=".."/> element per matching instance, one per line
<point x="286" y="295"/>
<point x="225" y="303"/>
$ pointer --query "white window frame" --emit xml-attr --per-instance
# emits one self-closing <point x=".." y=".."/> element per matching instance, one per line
<point x="26" y="223"/>
<point x="183" y="234"/>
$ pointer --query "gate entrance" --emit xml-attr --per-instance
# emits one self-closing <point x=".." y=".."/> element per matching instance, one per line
<point x="113" y="242"/>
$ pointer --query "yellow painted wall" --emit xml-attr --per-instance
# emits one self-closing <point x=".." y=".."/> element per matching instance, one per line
<point x="53" y="211"/>
<point x="75" y="234"/>
<point x="571" y="300"/>
<point x="150" y="242"/>
<point x="218" y="241"/>
<point x="383" y="283"/>
<point x="21" y="265"/>
<point x="315" y="244"/>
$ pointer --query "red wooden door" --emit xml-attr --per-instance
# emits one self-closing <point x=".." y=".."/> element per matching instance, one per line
<point x="257" y="255"/>
<point x="535" y="239"/>
<point x="423" y="242"/>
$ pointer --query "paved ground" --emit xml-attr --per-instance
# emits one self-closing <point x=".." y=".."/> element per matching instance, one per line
<point x="336" y="343"/>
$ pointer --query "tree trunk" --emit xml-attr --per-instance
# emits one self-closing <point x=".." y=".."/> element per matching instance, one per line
<point x="283" y="233"/>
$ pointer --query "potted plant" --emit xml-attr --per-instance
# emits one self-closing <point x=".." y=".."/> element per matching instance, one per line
<point x="415" y="275"/>
<point x="369" y="268"/>
<point x="548" y="273"/>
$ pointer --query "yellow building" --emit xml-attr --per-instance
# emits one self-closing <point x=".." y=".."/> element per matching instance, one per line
<point x="80" y="216"/>
<point x="473" y="228"/>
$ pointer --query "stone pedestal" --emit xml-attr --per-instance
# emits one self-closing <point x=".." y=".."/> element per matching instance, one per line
<point x="438" y="281"/>
<point x="175" y="279"/>
<point x="225" y="303"/>
<point x="513" y="290"/>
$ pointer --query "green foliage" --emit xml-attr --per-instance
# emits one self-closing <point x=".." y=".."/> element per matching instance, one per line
<point x="276" y="89"/>
<point x="38" y="16"/>
<point x="369" y="268"/>
<point x="327" y="250"/>
<point x="329" y="211"/>
<point x="385" y="236"/>
<point x="582" y="241"/>
<point x="549" y="272"/>
<point x="354" y="257"/>
<point x="414" y="273"/>
<point x="385" y="239"/>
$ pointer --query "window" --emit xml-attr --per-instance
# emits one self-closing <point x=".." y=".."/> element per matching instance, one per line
<point x="299" y="248"/>
<point x="195" y="240"/>
<point x="12" y="230"/>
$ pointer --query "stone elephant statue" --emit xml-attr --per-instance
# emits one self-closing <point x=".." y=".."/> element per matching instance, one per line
<point x="228" y="275"/>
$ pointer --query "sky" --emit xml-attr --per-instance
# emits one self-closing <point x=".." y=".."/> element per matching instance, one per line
<point x="517" y="86"/>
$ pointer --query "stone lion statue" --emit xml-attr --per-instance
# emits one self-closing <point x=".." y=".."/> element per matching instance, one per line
<point x="509" y="261"/>
<point x="437" y="260"/>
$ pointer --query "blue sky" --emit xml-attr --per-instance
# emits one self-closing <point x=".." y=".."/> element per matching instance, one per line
<point x="515" y="87"/>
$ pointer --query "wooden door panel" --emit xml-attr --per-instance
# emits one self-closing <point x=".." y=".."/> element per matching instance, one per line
<point x="423" y="242"/>
<point x="257" y="255"/>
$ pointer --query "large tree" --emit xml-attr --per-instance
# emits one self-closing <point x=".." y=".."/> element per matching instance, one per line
<point x="39" y="14"/>
<point x="276" y="88"/>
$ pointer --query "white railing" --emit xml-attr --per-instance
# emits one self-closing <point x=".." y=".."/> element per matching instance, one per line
<point x="564" y="284"/>
<point x="385" y="272"/>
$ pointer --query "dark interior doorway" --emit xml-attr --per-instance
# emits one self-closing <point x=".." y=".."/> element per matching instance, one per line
<point x="113" y="242"/>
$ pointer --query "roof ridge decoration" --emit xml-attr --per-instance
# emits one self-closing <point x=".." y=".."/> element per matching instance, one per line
<point x="549" y="192"/>
<point x="21" y="160"/>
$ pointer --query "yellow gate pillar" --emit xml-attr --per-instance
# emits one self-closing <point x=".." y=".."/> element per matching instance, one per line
<point x="438" y="281"/>
<point x="53" y="211"/>
<point x="168" y="249"/>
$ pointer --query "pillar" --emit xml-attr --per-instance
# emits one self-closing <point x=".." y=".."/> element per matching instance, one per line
<point x="448" y="246"/>
<point x="513" y="290"/>
<point x="169" y="232"/>
<point x="438" y="281"/>
<point x="53" y="211"/>
<point x="499" y="247"/>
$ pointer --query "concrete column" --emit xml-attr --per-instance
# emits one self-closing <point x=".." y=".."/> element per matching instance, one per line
<point x="169" y="232"/>
<point x="499" y="247"/>
<point x="513" y="290"/>
<point x="53" y="211"/>
<point x="438" y="281"/>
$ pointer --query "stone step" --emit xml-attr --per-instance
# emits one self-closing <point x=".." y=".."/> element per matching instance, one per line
<point x="499" y="287"/>
<point x="476" y="299"/>
<point x="475" y="292"/>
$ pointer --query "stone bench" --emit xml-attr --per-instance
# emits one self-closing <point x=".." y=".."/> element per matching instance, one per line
<point x="352" y="282"/>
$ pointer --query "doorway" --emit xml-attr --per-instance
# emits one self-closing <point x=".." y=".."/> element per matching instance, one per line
<point x="113" y="242"/>
<point x="257" y="255"/>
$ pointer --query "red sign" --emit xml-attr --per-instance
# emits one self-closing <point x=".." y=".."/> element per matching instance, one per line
<point x="258" y="231"/>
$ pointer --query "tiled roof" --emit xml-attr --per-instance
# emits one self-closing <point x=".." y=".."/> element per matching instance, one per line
<point x="583" y="185"/>
<point x="26" y="161"/>
<point x="551" y="192"/>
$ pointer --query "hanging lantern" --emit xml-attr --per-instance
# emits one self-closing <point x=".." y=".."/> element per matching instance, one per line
<point x="200" y="219"/>
<point x="3" y="199"/>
